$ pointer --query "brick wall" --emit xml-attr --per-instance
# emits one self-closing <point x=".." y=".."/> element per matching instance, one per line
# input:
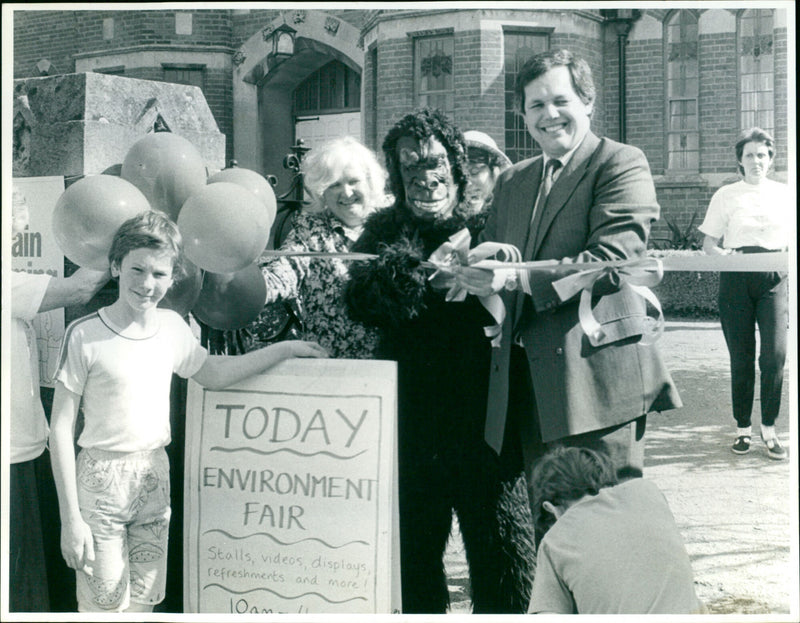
<point x="608" y="83"/>
<point x="60" y="35"/>
<point x="395" y="78"/>
<point x="219" y="95"/>
<point x="645" y="100"/>
<point x="492" y="86"/>
<point x="719" y="117"/>
<point x="246" y="22"/>
<point x="51" y="35"/>
<point x="477" y="83"/>
<point x="469" y="108"/>
<point x="479" y="86"/>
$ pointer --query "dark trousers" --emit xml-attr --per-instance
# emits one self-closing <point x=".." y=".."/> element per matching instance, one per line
<point x="747" y="300"/>
<point x="624" y="443"/>
<point x="27" y="573"/>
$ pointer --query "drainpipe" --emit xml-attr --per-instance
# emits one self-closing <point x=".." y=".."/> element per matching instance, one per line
<point x="622" y="41"/>
<point x="623" y="20"/>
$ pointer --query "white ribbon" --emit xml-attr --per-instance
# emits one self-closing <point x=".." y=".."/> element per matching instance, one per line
<point x="637" y="275"/>
<point x="455" y="251"/>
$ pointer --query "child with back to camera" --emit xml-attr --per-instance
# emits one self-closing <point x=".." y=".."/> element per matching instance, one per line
<point x="117" y="364"/>
<point x="605" y="547"/>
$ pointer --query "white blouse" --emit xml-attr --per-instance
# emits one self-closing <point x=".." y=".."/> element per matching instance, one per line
<point x="750" y="215"/>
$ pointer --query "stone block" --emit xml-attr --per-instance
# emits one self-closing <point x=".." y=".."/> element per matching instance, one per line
<point x="82" y="124"/>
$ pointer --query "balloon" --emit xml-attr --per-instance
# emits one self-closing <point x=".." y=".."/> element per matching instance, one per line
<point x="253" y="182"/>
<point x="224" y="227"/>
<point x="234" y="305"/>
<point x="89" y="213"/>
<point x="183" y="294"/>
<point x="166" y="168"/>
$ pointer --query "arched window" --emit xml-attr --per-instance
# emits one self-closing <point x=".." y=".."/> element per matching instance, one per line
<point x="683" y="136"/>
<point x="756" y="69"/>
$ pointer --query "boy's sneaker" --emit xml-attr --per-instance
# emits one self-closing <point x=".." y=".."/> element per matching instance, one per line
<point x="741" y="445"/>
<point x="774" y="449"/>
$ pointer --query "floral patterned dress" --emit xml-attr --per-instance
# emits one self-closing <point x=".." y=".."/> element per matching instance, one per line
<point x="313" y="287"/>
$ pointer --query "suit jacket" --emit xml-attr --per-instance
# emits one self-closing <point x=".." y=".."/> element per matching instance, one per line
<point x="600" y="207"/>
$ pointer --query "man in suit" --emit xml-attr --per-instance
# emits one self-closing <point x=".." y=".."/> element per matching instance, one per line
<point x="549" y="380"/>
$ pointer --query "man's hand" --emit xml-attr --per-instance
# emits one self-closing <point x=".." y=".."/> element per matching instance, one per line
<point x="480" y="281"/>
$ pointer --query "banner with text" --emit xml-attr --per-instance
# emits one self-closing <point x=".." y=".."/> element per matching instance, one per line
<point x="35" y="251"/>
<point x="291" y="491"/>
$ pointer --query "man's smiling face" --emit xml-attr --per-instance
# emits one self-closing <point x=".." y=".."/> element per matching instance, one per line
<point x="427" y="175"/>
<point x="556" y="117"/>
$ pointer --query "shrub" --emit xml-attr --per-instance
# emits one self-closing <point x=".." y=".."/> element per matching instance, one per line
<point x="690" y="294"/>
<point x="690" y="238"/>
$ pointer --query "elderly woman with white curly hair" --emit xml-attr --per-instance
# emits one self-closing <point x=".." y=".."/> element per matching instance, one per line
<point x="346" y="184"/>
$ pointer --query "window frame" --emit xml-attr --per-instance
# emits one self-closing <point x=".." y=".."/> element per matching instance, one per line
<point x="740" y="16"/>
<point x="199" y="68"/>
<point x="445" y="34"/>
<point x="669" y="99"/>
<point x="319" y="109"/>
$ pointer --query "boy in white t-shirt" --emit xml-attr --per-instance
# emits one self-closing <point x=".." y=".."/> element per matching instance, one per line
<point x="117" y="365"/>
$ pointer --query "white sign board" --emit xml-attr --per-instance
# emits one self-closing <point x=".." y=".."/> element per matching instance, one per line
<point x="35" y="251"/>
<point x="291" y="491"/>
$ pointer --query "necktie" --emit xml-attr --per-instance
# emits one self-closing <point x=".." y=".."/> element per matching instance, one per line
<point x="541" y="198"/>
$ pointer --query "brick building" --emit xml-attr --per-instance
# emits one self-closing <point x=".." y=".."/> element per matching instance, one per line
<point x="678" y="83"/>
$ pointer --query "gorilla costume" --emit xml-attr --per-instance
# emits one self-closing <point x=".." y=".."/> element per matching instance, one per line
<point x="443" y="360"/>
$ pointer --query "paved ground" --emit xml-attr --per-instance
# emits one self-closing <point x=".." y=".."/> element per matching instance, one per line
<point x="738" y="514"/>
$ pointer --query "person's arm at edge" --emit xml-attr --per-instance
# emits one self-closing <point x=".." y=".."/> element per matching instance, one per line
<point x="77" y="545"/>
<point x="77" y="289"/>
<point x="221" y="371"/>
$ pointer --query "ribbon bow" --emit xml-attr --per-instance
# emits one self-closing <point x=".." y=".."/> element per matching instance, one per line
<point x="639" y="275"/>
<point x="455" y="251"/>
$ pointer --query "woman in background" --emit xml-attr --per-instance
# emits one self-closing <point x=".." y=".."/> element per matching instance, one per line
<point x="752" y="216"/>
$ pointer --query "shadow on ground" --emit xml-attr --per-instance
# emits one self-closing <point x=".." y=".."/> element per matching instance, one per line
<point x="733" y="511"/>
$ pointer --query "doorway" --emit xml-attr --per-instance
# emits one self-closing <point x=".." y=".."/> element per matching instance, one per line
<point x="326" y="105"/>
